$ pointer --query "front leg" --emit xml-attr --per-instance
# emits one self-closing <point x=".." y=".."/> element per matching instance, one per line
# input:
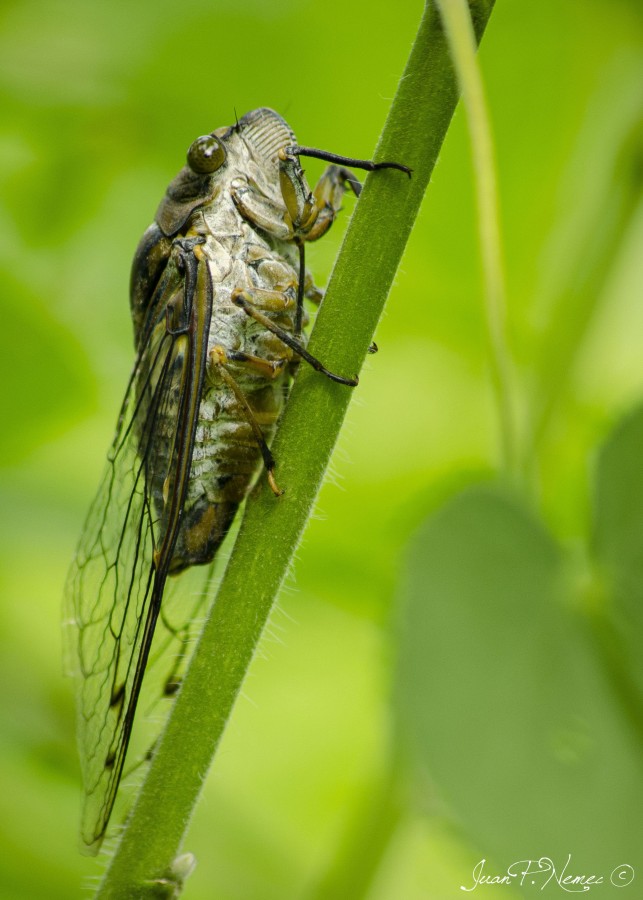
<point x="258" y="209"/>
<point x="312" y="213"/>
<point x="328" y="193"/>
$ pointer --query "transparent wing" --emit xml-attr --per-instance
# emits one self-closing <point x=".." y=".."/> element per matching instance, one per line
<point x="116" y="582"/>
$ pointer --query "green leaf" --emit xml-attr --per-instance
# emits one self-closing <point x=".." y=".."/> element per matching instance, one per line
<point x="618" y="537"/>
<point x="501" y="699"/>
<point x="618" y="552"/>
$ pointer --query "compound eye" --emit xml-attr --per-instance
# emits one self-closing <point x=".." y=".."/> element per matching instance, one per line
<point x="206" y="155"/>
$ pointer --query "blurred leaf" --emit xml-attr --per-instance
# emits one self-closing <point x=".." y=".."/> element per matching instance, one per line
<point x="46" y="377"/>
<point x="500" y="698"/>
<point x="619" y="514"/>
<point x="587" y="253"/>
<point x="618" y="550"/>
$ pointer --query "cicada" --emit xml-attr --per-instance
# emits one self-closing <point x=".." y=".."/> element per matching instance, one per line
<point x="217" y="295"/>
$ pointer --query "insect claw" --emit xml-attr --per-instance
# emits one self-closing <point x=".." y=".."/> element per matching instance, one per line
<point x="274" y="487"/>
<point x="393" y="165"/>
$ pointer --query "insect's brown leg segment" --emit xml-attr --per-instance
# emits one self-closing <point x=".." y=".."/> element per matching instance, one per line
<point x="268" y="368"/>
<point x="244" y="299"/>
<point x="219" y="357"/>
<point x="312" y="213"/>
<point x="327" y="196"/>
<point x="260" y="210"/>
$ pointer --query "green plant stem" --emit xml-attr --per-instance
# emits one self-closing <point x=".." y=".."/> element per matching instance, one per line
<point x="271" y="529"/>
<point x="462" y="42"/>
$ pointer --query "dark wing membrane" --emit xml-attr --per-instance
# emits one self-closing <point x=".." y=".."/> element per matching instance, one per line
<point x="116" y="582"/>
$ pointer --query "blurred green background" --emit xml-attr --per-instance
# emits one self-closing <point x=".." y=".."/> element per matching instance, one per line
<point x="453" y="671"/>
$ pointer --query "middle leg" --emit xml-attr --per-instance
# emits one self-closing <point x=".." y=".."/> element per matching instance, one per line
<point x="245" y="299"/>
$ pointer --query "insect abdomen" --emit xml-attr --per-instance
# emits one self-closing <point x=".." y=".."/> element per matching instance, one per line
<point x="224" y="462"/>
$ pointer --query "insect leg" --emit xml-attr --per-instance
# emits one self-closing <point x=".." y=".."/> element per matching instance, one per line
<point x="260" y="210"/>
<point x="312" y="214"/>
<point x="366" y="164"/>
<point x="268" y="368"/>
<point x="311" y="291"/>
<point x="220" y="357"/>
<point x="245" y="300"/>
<point x="274" y="301"/>
<point x="328" y="194"/>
